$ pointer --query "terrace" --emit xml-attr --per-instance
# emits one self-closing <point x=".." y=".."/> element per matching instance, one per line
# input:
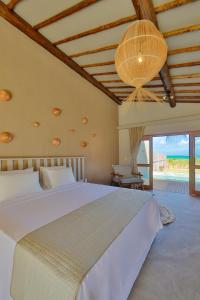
<point x="171" y="186"/>
<point x="171" y="164"/>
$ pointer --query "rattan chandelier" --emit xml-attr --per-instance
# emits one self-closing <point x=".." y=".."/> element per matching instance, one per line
<point x="139" y="57"/>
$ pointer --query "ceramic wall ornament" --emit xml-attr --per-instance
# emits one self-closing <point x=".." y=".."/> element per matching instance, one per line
<point x="5" y="95"/>
<point x="56" y="111"/>
<point x="84" y="120"/>
<point x="6" y="137"/>
<point x="83" y="144"/>
<point x="72" y="130"/>
<point x="56" y="141"/>
<point x="36" y="124"/>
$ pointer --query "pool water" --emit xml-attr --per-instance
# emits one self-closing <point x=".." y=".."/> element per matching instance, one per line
<point x="180" y="177"/>
<point x="183" y="177"/>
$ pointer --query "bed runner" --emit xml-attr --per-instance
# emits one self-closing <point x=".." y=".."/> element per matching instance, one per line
<point x="51" y="262"/>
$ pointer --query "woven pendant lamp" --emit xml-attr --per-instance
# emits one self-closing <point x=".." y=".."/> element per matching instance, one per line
<point x="139" y="57"/>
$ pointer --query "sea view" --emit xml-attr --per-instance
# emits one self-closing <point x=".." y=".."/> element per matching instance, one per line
<point x="177" y="156"/>
<point x="171" y="158"/>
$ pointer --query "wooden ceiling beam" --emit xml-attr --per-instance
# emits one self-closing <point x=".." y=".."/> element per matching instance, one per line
<point x="101" y="49"/>
<point x="183" y="76"/>
<point x="186" y="84"/>
<point x="129" y="92"/>
<point x="130" y="87"/>
<point x="188" y="101"/>
<point x="154" y="85"/>
<point x="178" y="97"/>
<point x="182" y="30"/>
<point x="104" y="73"/>
<point x="170" y="5"/>
<point x="97" y="29"/>
<point x="13" y="3"/>
<point x="184" y="50"/>
<point x="172" y="66"/>
<point x="177" y="101"/>
<point x="113" y="73"/>
<point x="158" y="9"/>
<point x="185" y="64"/>
<point x="100" y="64"/>
<point x="188" y="97"/>
<point x="161" y="92"/>
<point x="186" y="76"/>
<point x="188" y="91"/>
<point x="26" y="28"/>
<point x="113" y="80"/>
<point x="114" y="46"/>
<point x="67" y="12"/>
<point x="119" y="80"/>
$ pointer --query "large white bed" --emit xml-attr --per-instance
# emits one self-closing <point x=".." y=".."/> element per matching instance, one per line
<point x="113" y="276"/>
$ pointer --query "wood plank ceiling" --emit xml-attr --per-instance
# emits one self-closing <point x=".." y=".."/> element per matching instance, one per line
<point x="84" y="35"/>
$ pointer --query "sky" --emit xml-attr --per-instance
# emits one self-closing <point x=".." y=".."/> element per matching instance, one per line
<point x="174" y="145"/>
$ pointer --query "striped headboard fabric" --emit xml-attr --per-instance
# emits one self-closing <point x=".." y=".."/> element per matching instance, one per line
<point x="19" y="163"/>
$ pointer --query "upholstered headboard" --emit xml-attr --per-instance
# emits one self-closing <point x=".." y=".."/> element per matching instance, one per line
<point x="19" y="163"/>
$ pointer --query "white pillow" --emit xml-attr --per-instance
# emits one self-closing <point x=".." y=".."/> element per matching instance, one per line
<point x="58" y="177"/>
<point x="16" y="185"/>
<point x="15" y="172"/>
<point x="44" y="180"/>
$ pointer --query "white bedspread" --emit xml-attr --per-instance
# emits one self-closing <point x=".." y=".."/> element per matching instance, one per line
<point x="114" y="274"/>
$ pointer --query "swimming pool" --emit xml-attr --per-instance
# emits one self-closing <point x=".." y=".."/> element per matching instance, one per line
<point x="181" y="177"/>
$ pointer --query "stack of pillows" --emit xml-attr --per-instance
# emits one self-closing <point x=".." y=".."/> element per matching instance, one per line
<point x="21" y="182"/>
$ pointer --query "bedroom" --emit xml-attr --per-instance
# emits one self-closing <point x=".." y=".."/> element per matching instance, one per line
<point x="57" y="68"/>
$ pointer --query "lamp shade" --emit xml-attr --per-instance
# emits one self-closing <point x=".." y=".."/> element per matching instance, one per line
<point x="141" y="54"/>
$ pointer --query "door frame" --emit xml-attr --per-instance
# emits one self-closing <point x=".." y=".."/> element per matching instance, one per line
<point x="192" y="166"/>
<point x="150" y="164"/>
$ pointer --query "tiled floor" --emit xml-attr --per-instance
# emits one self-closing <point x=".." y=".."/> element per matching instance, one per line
<point x="171" y="270"/>
<point x="171" y="186"/>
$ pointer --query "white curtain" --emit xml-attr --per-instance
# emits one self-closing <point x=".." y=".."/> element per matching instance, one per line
<point x="136" y="135"/>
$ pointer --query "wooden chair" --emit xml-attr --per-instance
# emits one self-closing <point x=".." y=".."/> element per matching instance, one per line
<point x="123" y="177"/>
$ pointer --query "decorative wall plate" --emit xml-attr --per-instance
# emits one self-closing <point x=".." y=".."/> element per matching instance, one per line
<point x="84" y="120"/>
<point x="72" y="130"/>
<point x="83" y="144"/>
<point x="6" y="137"/>
<point x="56" y="111"/>
<point x="5" y="95"/>
<point x="56" y="141"/>
<point x="36" y="124"/>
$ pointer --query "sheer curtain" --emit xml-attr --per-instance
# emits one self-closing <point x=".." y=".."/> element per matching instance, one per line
<point x="136" y="135"/>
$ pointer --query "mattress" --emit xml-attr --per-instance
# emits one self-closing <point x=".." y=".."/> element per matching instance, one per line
<point x="115" y="272"/>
